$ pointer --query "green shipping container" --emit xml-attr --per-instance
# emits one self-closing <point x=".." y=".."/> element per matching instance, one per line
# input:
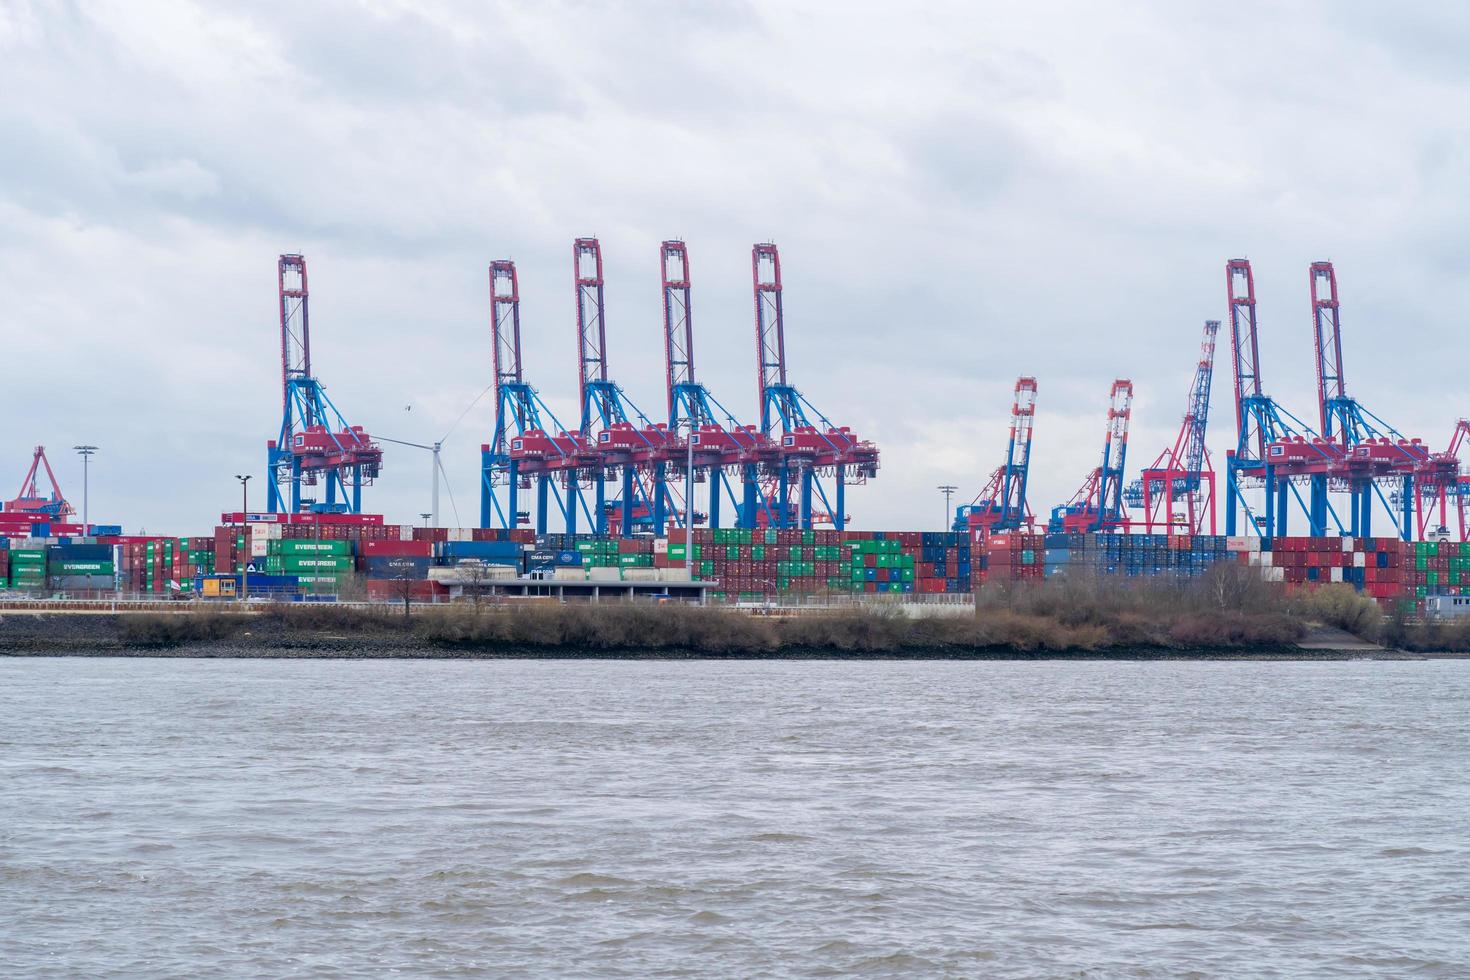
<point x="302" y="547"/>
<point x="81" y="568"/>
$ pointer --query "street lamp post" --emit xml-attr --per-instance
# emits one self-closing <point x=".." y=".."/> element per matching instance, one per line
<point x="426" y="518"/>
<point x="948" y="490"/>
<point x="245" y="559"/>
<point x="86" y="453"/>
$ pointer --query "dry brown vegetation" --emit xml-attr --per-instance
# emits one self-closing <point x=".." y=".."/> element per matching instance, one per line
<point x="1229" y="608"/>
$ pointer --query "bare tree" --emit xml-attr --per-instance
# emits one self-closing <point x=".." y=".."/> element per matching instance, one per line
<point x="474" y="575"/>
<point x="403" y="588"/>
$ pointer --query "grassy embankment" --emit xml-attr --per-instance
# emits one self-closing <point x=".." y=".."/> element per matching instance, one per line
<point x="1228" y="610"/>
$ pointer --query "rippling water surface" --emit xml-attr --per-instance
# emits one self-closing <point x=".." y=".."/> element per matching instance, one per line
<point x="320" y="818"/>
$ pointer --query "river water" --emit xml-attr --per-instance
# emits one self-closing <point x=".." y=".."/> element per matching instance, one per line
<point x="638" y="818"/>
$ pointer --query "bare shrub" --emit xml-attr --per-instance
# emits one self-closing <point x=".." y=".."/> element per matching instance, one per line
<point x="172" y="629"/>
<point x="1342" y="606"/>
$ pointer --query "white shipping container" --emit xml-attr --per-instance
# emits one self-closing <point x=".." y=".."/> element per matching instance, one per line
<point x="604" y="573"/>
<point x="1360" y="559"/>
<point x="635" y="574"/>
<point x="1336" y="574"/>
<point x="578" y="574"/>
<point x="1348" y="544"/>
<point x="1275" y="574"/>
<point x="673" y="574"/>
<point x="259" y="547"/>
<point x="660" y="546"/>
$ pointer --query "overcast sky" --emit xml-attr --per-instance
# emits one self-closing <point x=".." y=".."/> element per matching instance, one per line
<point x="961" y="195"/>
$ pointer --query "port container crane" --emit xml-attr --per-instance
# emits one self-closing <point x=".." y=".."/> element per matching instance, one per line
<point x="522" y="452"/>
<point x="1440" y="485"/>
<point x="1001" y="505"/>
<point x="1177" y="490"/>
<point x="809" y="445"/>
<point x="1272" y="448"/>
<point x="315" y="444"/>
<point x="29" y="500"/>
<point x="615" y="436"/>
<point x="1370" y="452"/>
<point x="1098" y="503"/>
<point x="720" y="444"/>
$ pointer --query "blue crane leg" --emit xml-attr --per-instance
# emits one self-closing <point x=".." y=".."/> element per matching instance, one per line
<point x="1283" y="504"/>
<point x="484" y="488"/>
<point x="512" y="518"/>
<point x="574" y="500"/>
<point x="839" y="519"/>
<point x="543" y="488"/>
<point x="1365" y="524"/>
<point x="1407" y="495"/>
<point x="1231" y="498"/>
<point x="295" y="485"/>
<point x="357" y="489"/>
<point x="1270" y="503"/>
<point x="806" y="499"/>
<point x="1318" y="517"/>
<point x="748" y="508"/>
<point x="599" y="519"/>
<point x="713" y="478"/>
<point x="627" y="528"/>
<point x="784" y="496"/>
<point x="660" y="494"/>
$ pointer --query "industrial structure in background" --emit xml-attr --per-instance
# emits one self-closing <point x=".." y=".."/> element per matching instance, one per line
<point x="1441" y="484"/>
<point x="29" y="500"/>
<point x="1176" y="492"/>
<point x="811" y="446"/>
<point x="1098" y="503"/>
<point x="1001" y="505"/>
<point x="619" y="472"/>
<point x="715" y="446"/>
<point x="779" y="464"/>
<point x="521" y="455"/>
<point x="315" y="446"/>
<point x="1274" y="450"/>
<point x="618" y="440"/>
<point x="1371" y="459"/>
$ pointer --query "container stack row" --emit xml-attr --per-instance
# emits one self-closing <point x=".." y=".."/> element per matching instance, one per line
<point x="360" y="555"/>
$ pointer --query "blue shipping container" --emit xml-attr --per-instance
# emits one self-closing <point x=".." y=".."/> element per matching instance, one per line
<point x="484" y="550"/>
<point x="398" y="566"/>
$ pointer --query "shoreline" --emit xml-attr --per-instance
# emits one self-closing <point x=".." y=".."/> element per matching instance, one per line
<point x="218" y="637"/>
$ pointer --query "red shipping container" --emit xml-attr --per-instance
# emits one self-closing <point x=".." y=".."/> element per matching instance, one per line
<point x="391" y="590"/>
<point x="398" y="549"/>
